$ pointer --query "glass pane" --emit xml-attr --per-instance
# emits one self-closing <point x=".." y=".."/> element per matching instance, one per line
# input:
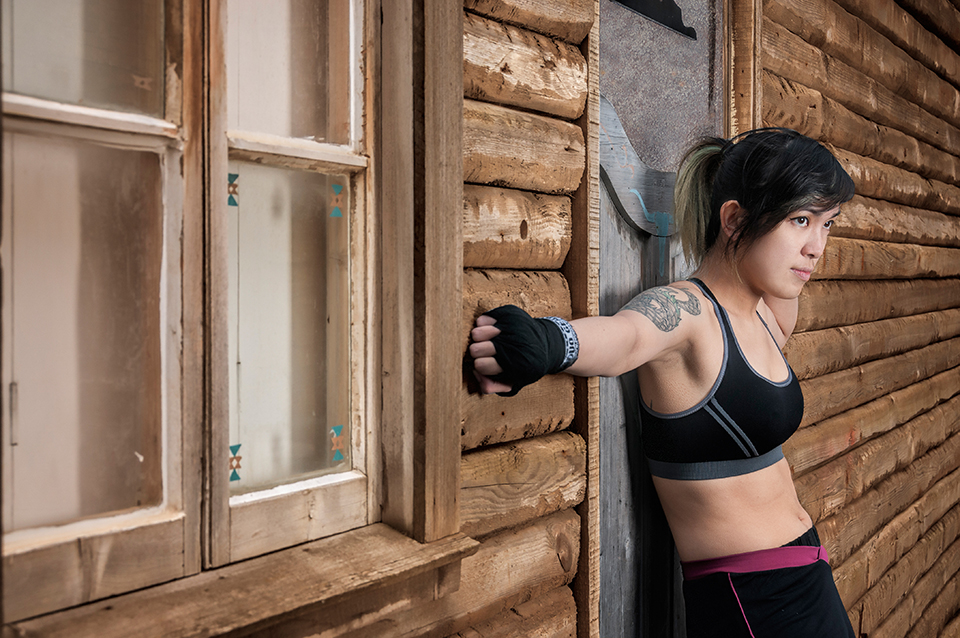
<point x="288" y="68"/>
<point x="289" y="325"/>
<point x="83" y="241"/>
<point x="103" y="53"/>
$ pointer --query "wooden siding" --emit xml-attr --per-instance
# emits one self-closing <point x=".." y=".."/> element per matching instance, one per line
<point x="877" y="459"/>
<point x="529" y="220"/>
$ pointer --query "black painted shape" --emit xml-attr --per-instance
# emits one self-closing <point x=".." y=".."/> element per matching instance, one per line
<point x="665" y="12"/>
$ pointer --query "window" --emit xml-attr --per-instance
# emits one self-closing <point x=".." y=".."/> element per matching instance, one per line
<point x="92" y="209"/>
<point x="288" y="266"/>
<point x="211" y="327"/>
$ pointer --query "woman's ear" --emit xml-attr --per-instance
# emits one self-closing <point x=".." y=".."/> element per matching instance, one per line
<point x="731" y="217"/>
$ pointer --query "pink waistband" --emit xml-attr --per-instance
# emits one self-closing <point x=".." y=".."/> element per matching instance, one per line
<point x="758" y="561"/>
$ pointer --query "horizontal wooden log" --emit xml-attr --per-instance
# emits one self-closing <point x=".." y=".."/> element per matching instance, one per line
<point x="941" y="610"/>
<point x="791" y="104"/>
<point x="828" y="27"/>
<point x="867" y="565"/>
<point x="894" y="23"/>
<point x="912" y="612"/>
<point x="893" y="586"/>
<point x="505" y="228"/>
<point x="827" y="489"/>
<point x="543" y="407"/>
<point x="865" y="218"/>
<point x="952" y="630"/>
<point x="504" y="147"/>
<point x="570" y="20"/>
<point x="825" y="304"/>
<point x="516" y="67"/>
<point x="552" y="615"/>
<point x="853" y="525"/>
<point x="838" y="392"/>
<point x="939" y="16"/>
<point x="812" y="446"/>
<point x="820" y="352"/>
<point x="508" y="485"/>
<point x="787" y="55"/>
<point x="846" y="258"/>
<point x="883" y="181"/>
<point x="509" y="569"/>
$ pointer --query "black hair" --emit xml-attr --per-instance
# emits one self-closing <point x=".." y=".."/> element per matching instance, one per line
<point x="769" y="172"/>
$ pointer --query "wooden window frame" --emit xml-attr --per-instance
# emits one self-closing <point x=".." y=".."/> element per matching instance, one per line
<point x="414" y="371"/>
<point x="47" y="569"/>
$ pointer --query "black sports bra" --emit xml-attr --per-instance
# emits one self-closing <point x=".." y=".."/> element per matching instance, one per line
<point x="737" y="429"/>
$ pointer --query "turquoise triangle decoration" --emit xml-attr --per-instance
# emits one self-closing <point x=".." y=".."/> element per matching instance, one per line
<point x="337" y="188"/>
<point x="336" y="457"/>
<point x="336" y="212"/>
<point x="337" y="430"/>
<point x="234" y="449"/>
<point x="231" y="201"/>
<point x="234" y="476"/>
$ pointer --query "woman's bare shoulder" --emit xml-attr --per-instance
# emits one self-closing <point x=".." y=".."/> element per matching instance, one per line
<point x="668" y="307"/>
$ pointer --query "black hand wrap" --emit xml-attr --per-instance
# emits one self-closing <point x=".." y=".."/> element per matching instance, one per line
<point x="528" y="348"/>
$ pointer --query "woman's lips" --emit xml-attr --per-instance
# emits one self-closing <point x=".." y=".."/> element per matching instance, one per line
<point x="802" y="274"/>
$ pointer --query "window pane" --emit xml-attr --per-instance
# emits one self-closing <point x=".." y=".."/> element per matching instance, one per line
<point x="288" y="68"/>
<point x="103" y="53"/>
<point x="82" y="239"/>
<point x="289" y="325"/>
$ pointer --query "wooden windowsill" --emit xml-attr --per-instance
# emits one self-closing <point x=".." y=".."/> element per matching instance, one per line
<point x="262" y="591"/>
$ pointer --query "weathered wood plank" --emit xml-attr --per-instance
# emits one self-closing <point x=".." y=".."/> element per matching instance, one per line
<point x="876" y="219"/>
<point x="854" y="524"/>
<point x="844" y="479"/>
<point x="825" y="304"/>
<point x="234" y="598"/>
<point x="846" y="258"/>
<point x="516" y="67"/>
<point x="893" y="22"/>
<point x="838" y="392"/>
<point x="552" y="615"/>
<point x="945" y="603"/>
<point x="845" y="37"/>
<point x="789" y="56"/>
<point x="911" y="613"/>
<point x="882" y="181"/>
<point x="582" y="269"/>
<point x="939" y="16"/>
<point x="817" y="444"/>
<point x="504" y="147"/>
<point x="506" y="228"/>
<point x="791" y="104"/>
<point x="743" y="94"/>
<point x="894" y="585"/>
<point x="819" y="352"/>
<point x="508" y="485"/>
<point x="570" y="20"/>
<point x="866" y="566"/>
<point x="510" y="568"/>
<point x="543" y="407"/>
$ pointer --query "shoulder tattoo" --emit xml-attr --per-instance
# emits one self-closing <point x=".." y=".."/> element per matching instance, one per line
<point x="663" y="307"/>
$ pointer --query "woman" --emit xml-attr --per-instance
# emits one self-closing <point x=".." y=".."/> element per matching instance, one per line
<point x="718" y="398"/>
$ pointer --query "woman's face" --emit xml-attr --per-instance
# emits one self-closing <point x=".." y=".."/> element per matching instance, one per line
<point x="780" y="262"/>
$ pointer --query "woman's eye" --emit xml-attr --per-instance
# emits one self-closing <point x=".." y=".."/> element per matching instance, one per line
<point x="829" y="224"/>
<point x="800" y="221"/>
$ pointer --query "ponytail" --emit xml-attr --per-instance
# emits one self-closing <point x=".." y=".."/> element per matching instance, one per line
<point x="693" y="195"/>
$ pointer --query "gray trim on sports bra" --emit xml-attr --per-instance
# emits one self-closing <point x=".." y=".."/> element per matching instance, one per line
<point x="703" y="470"/>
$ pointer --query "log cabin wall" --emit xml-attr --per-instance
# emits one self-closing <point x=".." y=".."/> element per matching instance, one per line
<point x="877" y="459"/>
<point x="530" y="224"/>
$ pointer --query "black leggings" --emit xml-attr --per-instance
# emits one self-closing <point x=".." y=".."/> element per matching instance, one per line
<point x="794" y="602"/>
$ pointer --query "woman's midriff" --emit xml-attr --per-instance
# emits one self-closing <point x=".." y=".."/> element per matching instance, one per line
<point x="720" y="517"/>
